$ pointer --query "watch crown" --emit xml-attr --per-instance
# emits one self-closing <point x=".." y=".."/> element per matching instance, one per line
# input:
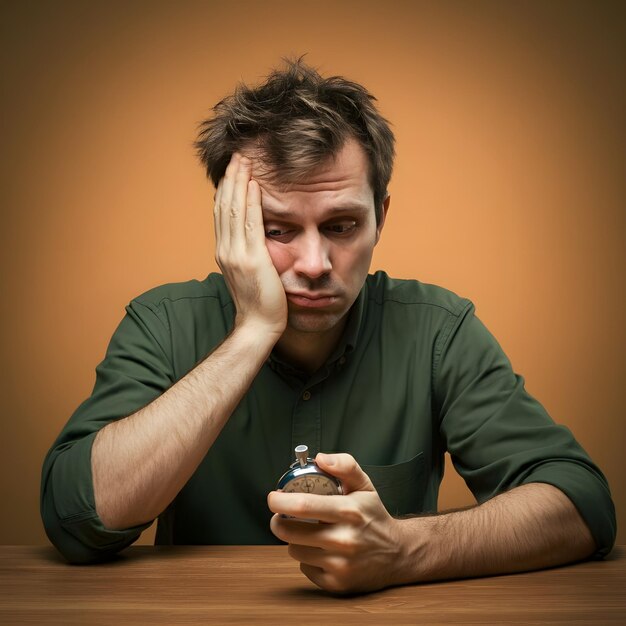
<point x="302" y="454"/>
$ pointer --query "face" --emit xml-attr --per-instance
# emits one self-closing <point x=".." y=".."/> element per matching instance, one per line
<point x="321" y="235"/>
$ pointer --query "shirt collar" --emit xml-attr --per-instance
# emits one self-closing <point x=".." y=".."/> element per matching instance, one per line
<point x="349" y="337"/>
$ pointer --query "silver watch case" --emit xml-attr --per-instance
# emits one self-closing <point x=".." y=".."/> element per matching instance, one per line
<point x="296" y="470"/>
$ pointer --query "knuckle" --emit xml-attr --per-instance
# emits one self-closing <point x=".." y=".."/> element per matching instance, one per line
<point x="342" y="568"/>
<point x="353" y="514"/>
<point x="339" y="585"/>
<point x="246" y="266"/>
<point x="302" y="506"/>
<point x="346" y="543"/>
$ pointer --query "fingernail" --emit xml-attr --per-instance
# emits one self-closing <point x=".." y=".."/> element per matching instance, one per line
<point x="327" y="458"/>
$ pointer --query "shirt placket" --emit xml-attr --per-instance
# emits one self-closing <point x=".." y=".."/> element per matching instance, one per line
<point x="306" y="420"/>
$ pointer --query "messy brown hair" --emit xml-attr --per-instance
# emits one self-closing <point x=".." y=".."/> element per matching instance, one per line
<point x="297" y="119"/>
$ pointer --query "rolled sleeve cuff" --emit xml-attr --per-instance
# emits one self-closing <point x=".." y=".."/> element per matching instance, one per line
<point x="589" y="494"/>
<point x="69" y="513"/>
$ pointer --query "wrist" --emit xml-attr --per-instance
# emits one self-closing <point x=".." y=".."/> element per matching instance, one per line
<point x="421" y="554"/>
<point x="257" y="332"/>
<point x="408" y="540"/>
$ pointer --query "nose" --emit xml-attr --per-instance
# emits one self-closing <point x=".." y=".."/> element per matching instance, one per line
<point x="313" y="256"/>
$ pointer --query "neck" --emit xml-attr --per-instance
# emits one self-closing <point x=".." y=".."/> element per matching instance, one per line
<point x="308" y="351"/>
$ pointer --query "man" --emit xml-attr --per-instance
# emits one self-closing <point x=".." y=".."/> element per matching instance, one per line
<point x="207" y="386"/>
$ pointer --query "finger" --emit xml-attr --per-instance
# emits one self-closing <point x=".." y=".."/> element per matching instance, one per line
<point x="317" y="576"/>
<point x="228" y="183"/>
<point x="293" y="531"/>
<point x="347" y="470"/>
<point x="311" y="556"/>
<point x="314" y="574"/>
<point x="216" y="212"/>
<point x="238" y="202"/>
<point x="255" y="233"/>
<point x="308" y="555"/>
<point x="329" y="509"/>
<point x="324" y="566"/>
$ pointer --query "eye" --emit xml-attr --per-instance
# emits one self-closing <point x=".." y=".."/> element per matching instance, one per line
<point x="342" y="228"/>
<point x="282" y="235"/>
<point x="275" y="232"/>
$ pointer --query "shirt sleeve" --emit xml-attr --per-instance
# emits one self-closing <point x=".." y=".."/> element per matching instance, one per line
<point x="136" y="370"/>
<point x="500" y="437"/>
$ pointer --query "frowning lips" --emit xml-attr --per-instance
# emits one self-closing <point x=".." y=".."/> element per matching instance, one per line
<point x="313" y="300"/>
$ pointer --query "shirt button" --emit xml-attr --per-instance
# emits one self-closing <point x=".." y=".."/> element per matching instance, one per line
<point x="342" y="360"/>
<point x="306" y="395"/>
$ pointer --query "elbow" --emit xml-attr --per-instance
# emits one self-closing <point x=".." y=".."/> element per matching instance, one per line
<point x="82" y="539"/>
<point x="77" y="551"/>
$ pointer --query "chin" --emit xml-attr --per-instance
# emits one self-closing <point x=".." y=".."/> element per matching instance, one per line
<point x="313" y="322"/>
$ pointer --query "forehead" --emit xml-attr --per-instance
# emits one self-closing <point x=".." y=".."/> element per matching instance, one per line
<point x="340" y="178"/>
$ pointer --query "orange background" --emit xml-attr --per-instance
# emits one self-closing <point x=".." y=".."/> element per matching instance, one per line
<point x="509" y="185"/>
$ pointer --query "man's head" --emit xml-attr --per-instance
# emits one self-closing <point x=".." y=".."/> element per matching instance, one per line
<point x="295" y="121"/>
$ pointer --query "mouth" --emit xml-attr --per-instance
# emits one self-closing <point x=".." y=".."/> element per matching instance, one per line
<point x="311" y="301"/>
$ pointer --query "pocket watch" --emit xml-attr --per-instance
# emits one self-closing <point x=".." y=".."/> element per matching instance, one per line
<point x="304" y="476"/>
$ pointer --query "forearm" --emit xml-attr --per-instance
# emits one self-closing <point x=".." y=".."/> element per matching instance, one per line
<point x="141" y="462"/>
<point x="530" y="527"/>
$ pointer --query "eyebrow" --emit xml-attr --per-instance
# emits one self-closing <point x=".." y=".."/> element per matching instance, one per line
<point x="339" y="209"/>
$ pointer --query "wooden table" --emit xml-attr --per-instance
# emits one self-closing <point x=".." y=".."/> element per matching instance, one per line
<point x="263" y="585"/>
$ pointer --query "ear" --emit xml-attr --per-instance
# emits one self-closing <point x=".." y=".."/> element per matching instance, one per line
<point x="379" y="227"/>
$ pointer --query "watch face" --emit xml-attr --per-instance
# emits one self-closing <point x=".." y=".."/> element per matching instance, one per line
<point x="313" y="483"/>
<point x="308" y="478"/>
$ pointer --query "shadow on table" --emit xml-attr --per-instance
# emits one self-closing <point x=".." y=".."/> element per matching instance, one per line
<point x="132" y="554"/>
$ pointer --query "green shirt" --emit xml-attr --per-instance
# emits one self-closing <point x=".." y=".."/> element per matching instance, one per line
<point x="415" y="374"/>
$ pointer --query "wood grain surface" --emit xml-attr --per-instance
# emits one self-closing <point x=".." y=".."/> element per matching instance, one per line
<point x="263" y="585"/>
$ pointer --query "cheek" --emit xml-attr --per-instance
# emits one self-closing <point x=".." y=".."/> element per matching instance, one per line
<point x="353" y="262"/>
<point x="281" y="258"/>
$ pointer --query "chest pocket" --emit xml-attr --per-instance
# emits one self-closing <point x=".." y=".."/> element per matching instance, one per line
<point x="400" y="486"/>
